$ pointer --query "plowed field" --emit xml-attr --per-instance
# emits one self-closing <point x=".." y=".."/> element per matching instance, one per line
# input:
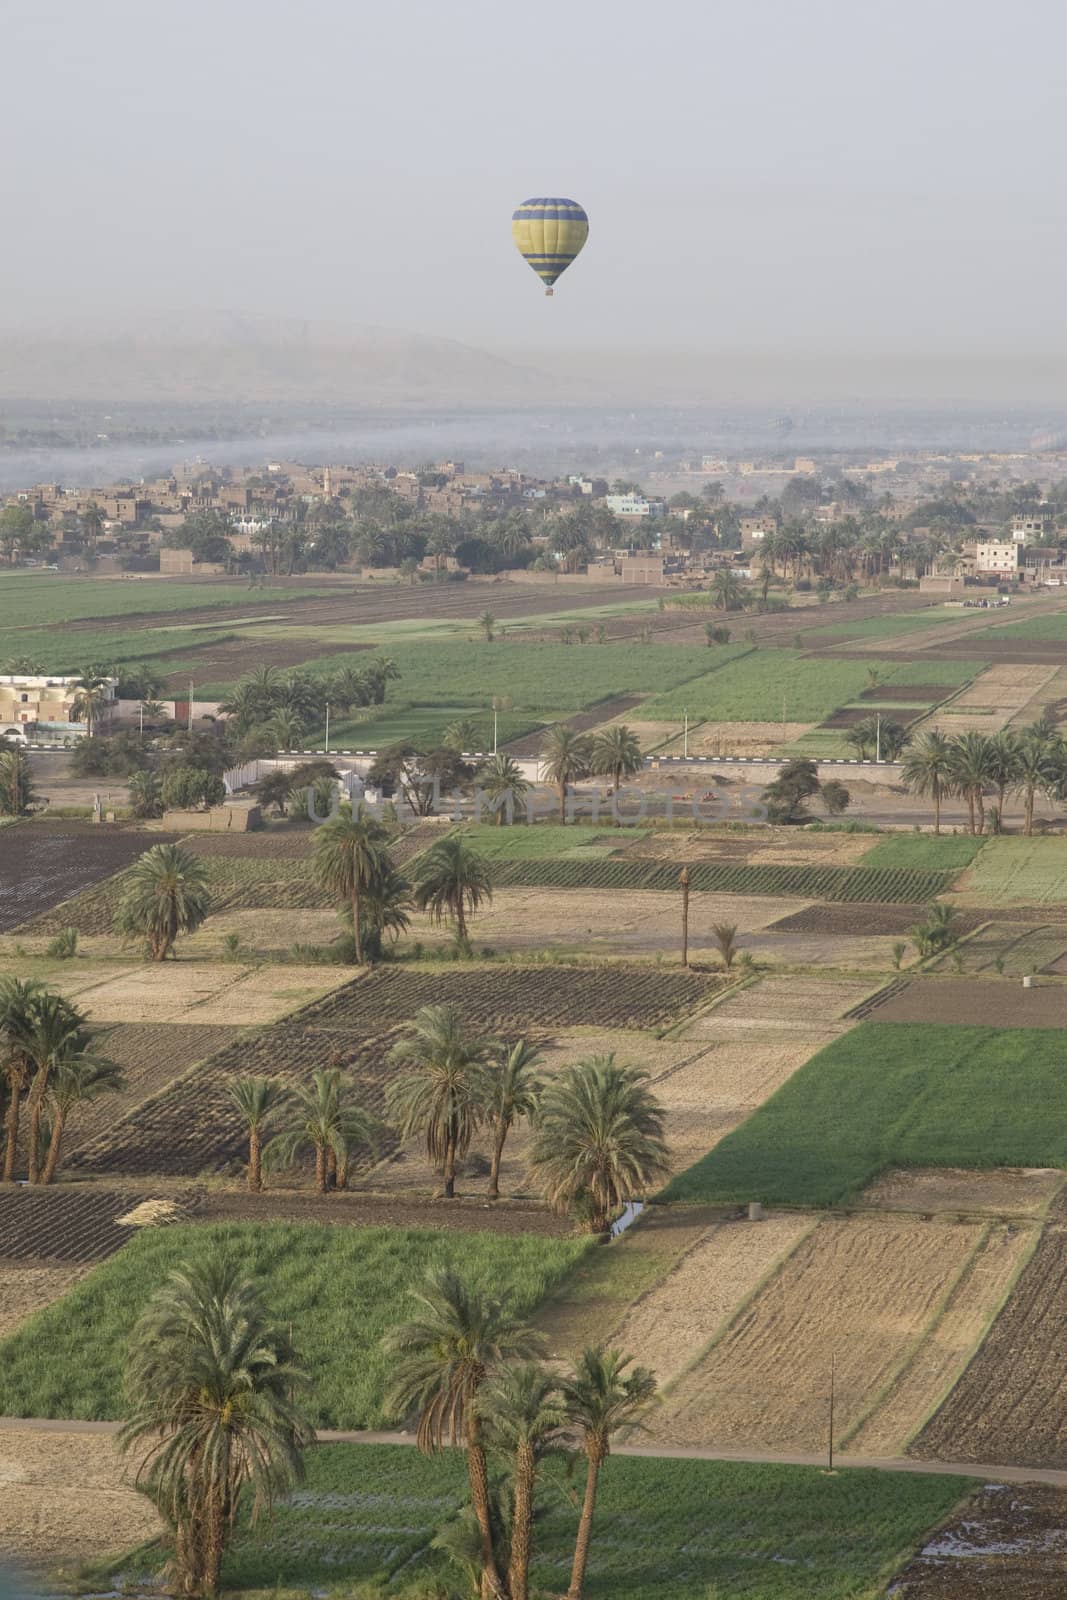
<point x="880" y="884"/>
<point x="857" y="1293"/>
<point x="1009" y="1542"/>
<point x="70" y="1225"/>
<point x="994" y="1001"/>
<point x="1008" y="1406"/>
<point x="44" y="863"/>
<point x="151" y="1055"/>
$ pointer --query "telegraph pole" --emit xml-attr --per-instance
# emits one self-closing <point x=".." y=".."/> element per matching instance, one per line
<point x="327" y="727"/>
<point x="683" y="882"/>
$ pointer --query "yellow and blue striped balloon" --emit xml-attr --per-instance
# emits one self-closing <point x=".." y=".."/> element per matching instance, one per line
<point x="548" y="234"/>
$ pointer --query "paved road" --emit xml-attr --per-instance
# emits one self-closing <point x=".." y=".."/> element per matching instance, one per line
<point x="989" y="1472"/>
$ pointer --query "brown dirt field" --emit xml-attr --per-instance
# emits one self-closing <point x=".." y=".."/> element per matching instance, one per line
<point x="274" y="843"/>
<point x="1007" y="1542"/>
<point x="863" y="1290"/>
<point x="151" y="1056"/>
<point x="189" y="991"/>
<point x="64" y="1498"/>
<point x="1008" y="1406"/>
<point x="26" y="1287"/>
<point x="995" y="1002"/>
<point x="622" y="922"/>
<point x="267" y="933"/>
<point x="731" y="738"/>
<point x="992" y="701"/>
<point x="668" y="1326"/>
<point x="43" y="863"/>
<point x="948" y="1345"/>
<point x="72" y="1224"/>
<point x="851" y="919"/>
<point x="469" y="1213"/>
<point x="816" y="1005"/>
<point x="1003" y="1192"/>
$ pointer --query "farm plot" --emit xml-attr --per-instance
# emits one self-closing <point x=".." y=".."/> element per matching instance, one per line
<point x="277" y="843"/>
<point x="924" y="851"/>
<point x="854" y="919"/>
<point x="1008" y="948"/>
<point x="1017" y="870"/>
<point x="1008" y="1404"/>
<point x="192" y="1127"/>
<point x="1003" y="1541"/>
<point x="151" y="1056"/>
<point x="340" y="1287"/>
<point x="866" y="1289"/>
<point x="890" y="1095"/>
<point x="25" y="1287"/>
<point x="71" y="1226"/>
<point x="802" y="882"/>
<point x="190" y="991"/>
<point x="501" y="996"/>
<point x="761" y="847"/>
<point x="993" y="701"/>
<point x="1003" y="1192"/>
<point x="718" y="738"/>
<point x="690" y="1529"/>
<point x="44" y="863"/>
<point x="67" y="1499"/>
<point x="965" y="1001"/>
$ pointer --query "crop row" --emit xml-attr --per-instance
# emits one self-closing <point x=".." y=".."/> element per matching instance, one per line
<point x="887" y="885"/>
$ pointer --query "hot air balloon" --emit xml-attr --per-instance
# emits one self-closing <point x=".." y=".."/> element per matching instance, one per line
<point x="549" y="233"/>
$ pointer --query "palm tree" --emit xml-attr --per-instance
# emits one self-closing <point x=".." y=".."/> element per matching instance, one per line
<point x="599" y="1139"/>
<point x="379" y="672"/>
<point x="146" y="794"/>
<point x="972" y="768"/>
<point x="512" y="1088"/>
<point x="522" y="1410"/>
<point x="487" y="622"/>
<point x="347" y="857"/>
<point x="447" y="1350"/>
<point x="326" y="1121"/>
<point x="1003" y="765"/>
<point x="383" y="907"/>
<point x="565" y="757"/>
<point x="57" y="1032"/>
<point x="450" y="880"/>
<point x="78" y="1078"/>
<point x="166" y="894"/>
<point x="726" y="589"/>
<point x="286" y="726"/>
<point x="210" y="1379"/>
<point x="600" y="1397"/>
<point x="462" y="734"/>
<point x="443" y="1095"/>
<point x="256" y="1100"/>
<point x="90" y="694"/>
<point x="501" y="779"/>
<point x="1038" y="765"/>
<point x="725" y="934"/>
<point x="18" y="1003"/>
<point x="927" y="770"/>
<point x="17" y="796"/>
<point x="616" y="754"/>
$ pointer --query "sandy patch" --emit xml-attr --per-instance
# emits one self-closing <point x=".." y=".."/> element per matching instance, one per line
<point x="25" y="1289"/>
<point x="737" y="738"/>
<point x="862" y="1291"/>
<point x="64" y="1498"/>
<point x="263" y="932"/>
<point x="670" y="1324"/>
<point x="188" y="991"/>
<point x="948" y="1346"/>
<point x="1003" y="1192"/>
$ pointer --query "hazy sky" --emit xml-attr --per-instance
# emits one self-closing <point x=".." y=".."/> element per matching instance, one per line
<point x="758" y="173"/>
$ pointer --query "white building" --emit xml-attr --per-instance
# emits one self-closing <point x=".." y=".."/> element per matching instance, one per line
<point x="635" y="505"/>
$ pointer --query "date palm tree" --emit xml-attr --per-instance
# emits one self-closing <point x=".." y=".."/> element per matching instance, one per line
<point x="463" y="734"/>
<point x="442" y="1095"/>
<point x="78" y="1078"/>
<point x="18" y="1003"/>
<point x="523" y="1414"/>
<point x="599" y="1139"/>
<point x="383" y="908"/>
<point x="17" y="795"/>
<point x="347" y="856"/>
<point x="286" y="727"/>
<point x="487" y="623"/>
<point x="326" y="1120"/>
<point x="726" y="589"/>
<point x="499" y="779"/>
<point x="447" y="1350"/>
<point x="616" y="754"/>
<point x="973" y="769"/>
<point x="512" y="1089"/>
<point x="57" y="1033"/>
<point x="256" y="1101"/>
<point x="927" y="770"/>
<point x="1003" y="766"/>
<point x="725" y="935"/>
<point x="210" y="1380"/>
<point x="1038" y="766"/>
<point x="146" y="794"/>
<point x="90" y="696"/>
<point x="166" y="894"/>
<point x="600" y="1397"/>
<point x="451" y="880"/>
<point x="565" y="758"/>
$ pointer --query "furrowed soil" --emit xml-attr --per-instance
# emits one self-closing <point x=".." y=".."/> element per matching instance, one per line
<point x="65" y="1498"/>
<point x="1001" y="1192"/>
<point x="865" y="1289"/>
<point x="991" y="702"/>
<point x="1008" y="1542"/>
<point x="25" y="1287"/>
<point x="151" y="1056"/>
<point x="64" y="1224"/>
<point x="1008" y="1406"/>
<point x="43" y="863"/>
<point x="194" y="992"/>
<point x="992" y="1001"/>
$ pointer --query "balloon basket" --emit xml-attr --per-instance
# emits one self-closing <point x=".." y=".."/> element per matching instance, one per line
<point x="549" y="293"/>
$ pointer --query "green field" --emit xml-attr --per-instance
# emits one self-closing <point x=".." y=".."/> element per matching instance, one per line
<point x="31" y="600"/>
<point x="65" y="651"/>
<point x="924" y="852"/>
<point x="891" y="625"/>
<point x="1050" y="629"/>
<point x="894" y="1095"/>
<point x="1017" y="870"/>
<point x="340" y="1287"/>
<point x="524" y="843"/>
<point x="777" y="685"/>
<point x="693" y="1530"/>
<point x="888" y="885"/>
<point x="427" y="724"/>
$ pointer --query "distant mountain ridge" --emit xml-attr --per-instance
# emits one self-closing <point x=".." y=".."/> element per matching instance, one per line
<point x="229" y="356"/>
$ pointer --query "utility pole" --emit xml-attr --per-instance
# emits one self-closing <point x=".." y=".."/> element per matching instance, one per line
<point x="878" y="737"/>
<point x="685" y="736"/>
<point x="141" y="720"/>
<point x="190" y="705"/>
<point x="327" y="727"/>
<point x="683" y="882"/>
<point x="830" y="1440"/>
<point x="494" y="726"/>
